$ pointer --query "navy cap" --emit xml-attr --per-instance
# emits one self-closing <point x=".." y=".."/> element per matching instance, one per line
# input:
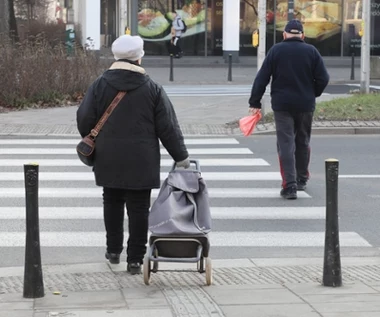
<point x="294" y="27"/>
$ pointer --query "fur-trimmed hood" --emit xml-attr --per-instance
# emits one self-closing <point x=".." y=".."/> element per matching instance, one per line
<point x="125" y="76"/>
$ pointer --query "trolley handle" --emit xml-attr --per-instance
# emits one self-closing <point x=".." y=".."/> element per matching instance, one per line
<point x="195" y="162"/>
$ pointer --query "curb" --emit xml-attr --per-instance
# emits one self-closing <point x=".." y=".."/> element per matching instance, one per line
<point x="189" y="130"/>
<point x="333" y="131"/>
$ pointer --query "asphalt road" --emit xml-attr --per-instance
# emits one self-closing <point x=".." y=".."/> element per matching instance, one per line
<point x="249" y="217"/>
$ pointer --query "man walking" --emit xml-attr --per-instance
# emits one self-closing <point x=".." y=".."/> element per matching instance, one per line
<point x="298" y="77"/>
<point x="177" y="28"/>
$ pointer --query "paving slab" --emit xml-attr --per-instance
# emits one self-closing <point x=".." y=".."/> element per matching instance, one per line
<point x="345" y="261"/>
<point x="341" y="298"/>
<point x="315" y="289"/>
<point x="69" y="300"/>
<point x="17" y="313"/>
<point x="167" y="266"/>
<point x="251" y="295"/>
<point x="355" y="306"/>
<point x="76" y="268"/>
<point x="283" y="310"/>
<point x="151" y="291"/>
<point x="191" y="301"/>
<point x="10" y="298"/>
<point x="275" y="262"/>
<point x="12" y="271"/>
<point x="352" y="314"/>
<point x="108" y="313"/>
<point x="16" y="305"/>
<point x="149" y="297"/>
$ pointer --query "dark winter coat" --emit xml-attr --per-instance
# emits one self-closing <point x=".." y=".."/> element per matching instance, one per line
<point x="298" y="77"/>
<point x="127" y="151"/>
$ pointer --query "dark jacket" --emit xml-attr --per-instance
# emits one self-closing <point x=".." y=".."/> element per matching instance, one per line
<point x="298" y="77"/>
<point x="127" y="153"/>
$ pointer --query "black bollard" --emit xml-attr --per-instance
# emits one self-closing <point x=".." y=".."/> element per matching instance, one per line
<point x="171" y="68"/>
<point x="33" y="279"/>
<point x="353" y="66"/>
<point x="230" y="67"/>
<point x="332" y="275"/>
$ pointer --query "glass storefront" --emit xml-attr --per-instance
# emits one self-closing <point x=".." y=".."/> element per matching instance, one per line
<point x="332" y="26"/>
<point x="353" y="24"/>
<point x="108" y="19"/>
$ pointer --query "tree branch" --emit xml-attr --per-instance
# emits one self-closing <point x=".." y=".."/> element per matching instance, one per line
<point x="251" y="5"/>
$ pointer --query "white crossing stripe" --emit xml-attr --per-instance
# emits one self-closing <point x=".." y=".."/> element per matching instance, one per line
<point x="283" y="239"/>
<point x="268" y="213"/>
<point x="72" y="151"/>
<point x="360" y="176"/>
<point x="263" y="213"/>
<point x="89" y="176"/>
<point x="211" y="141"/>
<point x="96" y="192"/>
<point x="217" y="239"/>
<point x="164" y="162"/>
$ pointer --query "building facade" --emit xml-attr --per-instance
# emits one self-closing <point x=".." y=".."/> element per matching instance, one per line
<point x="332" y="26"/>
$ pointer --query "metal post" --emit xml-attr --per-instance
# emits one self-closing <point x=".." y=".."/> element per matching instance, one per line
<point x="353" y="66"/>
<point x="171" y="78"/>
<point x="332" y="275"/>
<point x="33" y="279"/>
<point x="365" y="48"/>
<point x="206" y="29"/>
<point x="134" y="17"/>
<point x="229" y="67"/>
<point x="261" y="50"/>
<point x="290" y="10"/>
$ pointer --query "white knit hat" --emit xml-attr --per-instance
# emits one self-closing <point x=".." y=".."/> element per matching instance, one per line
<point x="128" y="47"/>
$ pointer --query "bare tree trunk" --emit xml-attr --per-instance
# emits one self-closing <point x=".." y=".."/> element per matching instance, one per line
<point x="12" y="21"/>
<point x="4" y="16"/>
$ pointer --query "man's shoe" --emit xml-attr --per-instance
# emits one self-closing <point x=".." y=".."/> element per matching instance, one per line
<point x="134" y="268"/>
<point x="301" y="185"/>
<point x="114" y="258"/>
<point x="289" y="192"/>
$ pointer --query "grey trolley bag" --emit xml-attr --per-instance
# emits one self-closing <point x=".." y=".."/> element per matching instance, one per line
<point x="179" y="223"/>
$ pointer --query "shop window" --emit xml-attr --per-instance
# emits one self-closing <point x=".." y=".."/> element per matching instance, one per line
<point x="155" y="20"/>
<point x="249" y="23"/>
<point x="322" y="22"/>
<point x="353" y="25"/>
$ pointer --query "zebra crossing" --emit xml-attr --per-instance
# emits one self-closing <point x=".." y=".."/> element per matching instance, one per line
<point x="247" y="210"/>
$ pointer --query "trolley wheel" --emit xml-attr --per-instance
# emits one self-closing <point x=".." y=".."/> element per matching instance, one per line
<point x="146" y="269"/>
<point x="208" y="271"/>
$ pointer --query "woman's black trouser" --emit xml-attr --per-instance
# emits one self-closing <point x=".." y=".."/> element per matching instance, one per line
<point x="138" y="204"/>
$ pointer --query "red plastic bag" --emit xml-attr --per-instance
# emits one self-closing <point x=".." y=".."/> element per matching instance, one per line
<point x="247" y="124"/>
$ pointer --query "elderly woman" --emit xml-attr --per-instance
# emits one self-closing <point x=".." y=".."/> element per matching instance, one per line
<point x="127" y="158"/>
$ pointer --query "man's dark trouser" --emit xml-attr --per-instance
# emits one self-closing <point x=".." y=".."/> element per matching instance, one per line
<point x="177" y="50"/>
<point x="138" y="204"/>
<point x="293" y="145"/>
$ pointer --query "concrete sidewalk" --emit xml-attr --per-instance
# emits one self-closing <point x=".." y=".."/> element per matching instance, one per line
<point x="244" y="288"/>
